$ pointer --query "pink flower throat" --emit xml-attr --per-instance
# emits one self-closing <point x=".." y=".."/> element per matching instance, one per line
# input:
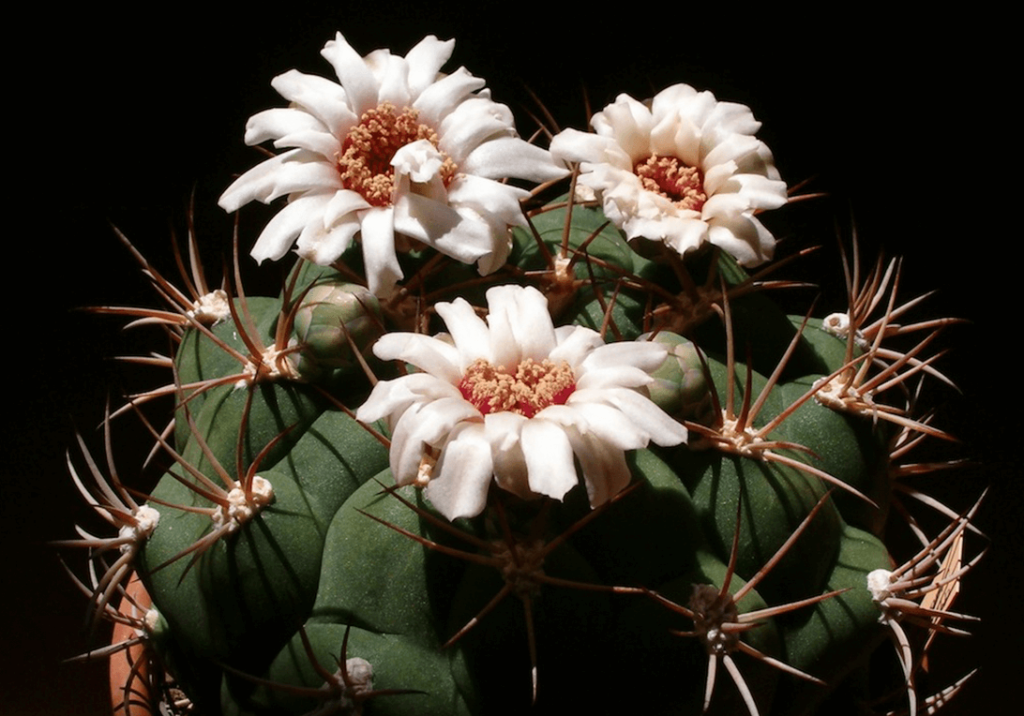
<point x="670" y="177"/>
<point x="367" y="150"/>
<point x="531" y="388"/>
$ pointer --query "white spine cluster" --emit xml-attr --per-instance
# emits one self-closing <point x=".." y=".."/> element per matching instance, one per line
<point x="211" y="308"/>
<point x="146" y="520"/>
<point x="242" y="506"/>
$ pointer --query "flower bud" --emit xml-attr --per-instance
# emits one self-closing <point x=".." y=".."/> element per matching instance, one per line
<point x="679" y="387"/>
<point x="331" y="313"/>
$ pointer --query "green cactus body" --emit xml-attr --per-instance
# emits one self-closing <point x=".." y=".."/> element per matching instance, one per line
<point x="307" y="562"/>
<point x="336" y="553"/>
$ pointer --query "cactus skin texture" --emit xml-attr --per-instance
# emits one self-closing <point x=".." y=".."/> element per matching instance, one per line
<point x="535" y="606"/>
<point x="291" y="576"/>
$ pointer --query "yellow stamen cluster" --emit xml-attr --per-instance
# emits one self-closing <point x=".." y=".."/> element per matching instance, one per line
<point x="670" y="177"/>
<point x="533" y="387"/>
<point x="367" y="150"/>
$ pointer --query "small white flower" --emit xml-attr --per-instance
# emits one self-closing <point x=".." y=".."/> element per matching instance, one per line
<point x="514" y="399"/>
<point x="682" y="168"/>
<point x="398" y="153"/>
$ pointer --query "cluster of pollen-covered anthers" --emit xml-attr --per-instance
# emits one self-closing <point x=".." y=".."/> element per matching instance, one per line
<point x="532" y="387"/>
<point x="399" y="155"/>
<point x="526" y="411"/>
<point x="516" y="401"/>
<point x="683" y="169"/>
<point x="368" y="148"/>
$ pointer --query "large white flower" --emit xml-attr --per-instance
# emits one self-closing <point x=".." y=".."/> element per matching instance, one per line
<point x="398" y="153"/>
<point x="682" y="168"/>
<point x="513" y="399"/>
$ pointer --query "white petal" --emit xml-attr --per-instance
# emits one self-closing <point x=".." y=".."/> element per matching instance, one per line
<point x="510" y="471"/>
<point x="575" y="343"/>
<point x="443" y="96"/>
<point x="648" y="417"/>
<point x="667" y="102"/>
<point x="425" y="62"/>
<point x="322" y="98"/>
<point x="443" y="227"/>
<point x="474" y="121"/>
<point x="468" y="331"/>
<point x="392" y="75"/>
<point x="420" y="160"/>
<point x="572" y="145"/>
<point x="630" y="123"/>
<point x="760" y="192"/>
<point x="280" y="122"/>
<point x="424" y="424"/>
<point x="647" y="356"/>
<point x="734" y="118"/>
<point x="731" y="148"/>
<point x="604" y="470"/>
<point x="597" y="420"/>
<point x="549" y="461"/>
<point x="520" y="325"/>
<point x="745" y="238"/>
<point x="617" y="377"/>
<point x="342" y="204"/>
<point x="360" y="85"/>
<point x="324" y="247"/>
<point x="393" y="397"/>
<point x="512" y="157"/>
<point x="434" y="356"/>
<point x="488" y="196"/>
<point x="279" y="235"/>
<point x="463" y="474"/>
<point x="295" y="171"/>
<point x="379" y="257"/>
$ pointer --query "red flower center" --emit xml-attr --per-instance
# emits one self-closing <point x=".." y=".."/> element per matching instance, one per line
<point x="670" y="177"/>
<point x="531" y="388"/>
<point x="367" y="150"/>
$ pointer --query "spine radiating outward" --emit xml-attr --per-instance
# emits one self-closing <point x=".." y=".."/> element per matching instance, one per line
<point x="545" y="450"/>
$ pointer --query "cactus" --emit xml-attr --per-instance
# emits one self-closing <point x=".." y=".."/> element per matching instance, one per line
<point x="592" y="474"/>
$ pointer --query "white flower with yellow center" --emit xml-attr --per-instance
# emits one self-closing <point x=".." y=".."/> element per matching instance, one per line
<point x="395" y="156"/>
<point x="513" y="399"/>
<point x="683" y="168"/>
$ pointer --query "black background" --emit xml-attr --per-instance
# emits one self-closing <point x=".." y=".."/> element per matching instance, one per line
<point x="117" y="117"/>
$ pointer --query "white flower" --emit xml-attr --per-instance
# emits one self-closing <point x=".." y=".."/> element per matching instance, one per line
<point x="682" y="168"/>
<point x="398" y="153"/>
<point x="513" y="399"/>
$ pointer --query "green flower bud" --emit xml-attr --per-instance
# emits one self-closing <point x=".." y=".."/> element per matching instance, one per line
<point x="679" y="387"/>
<point x="331" y="313"/>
